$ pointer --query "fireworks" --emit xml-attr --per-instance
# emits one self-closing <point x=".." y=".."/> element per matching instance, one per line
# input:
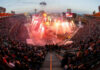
<point x="44" y="32"/>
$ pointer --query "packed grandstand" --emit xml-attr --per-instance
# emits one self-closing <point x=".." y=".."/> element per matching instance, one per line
<point x="16" y="54"/>
<point x="44" y="40"/>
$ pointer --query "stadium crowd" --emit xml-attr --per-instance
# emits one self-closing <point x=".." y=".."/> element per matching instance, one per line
<point x="15" y="55"/>
<point x="19" y="56"/>
<point x="87" y="55"/>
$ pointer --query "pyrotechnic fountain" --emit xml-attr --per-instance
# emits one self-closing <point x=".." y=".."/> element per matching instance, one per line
<point x="41" y="34"/>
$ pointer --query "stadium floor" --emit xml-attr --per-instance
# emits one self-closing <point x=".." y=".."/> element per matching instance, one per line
<point x="51" y="62"/>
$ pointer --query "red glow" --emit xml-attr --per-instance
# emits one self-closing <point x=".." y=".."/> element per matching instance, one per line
<point x="42" y="33"/>
<point x="69" y="15"/>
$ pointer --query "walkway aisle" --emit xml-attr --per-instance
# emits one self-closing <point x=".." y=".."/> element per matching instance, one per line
<point x="51" y="62"/>
<point x="46" y="64"/>
<point x="56" y="64"/>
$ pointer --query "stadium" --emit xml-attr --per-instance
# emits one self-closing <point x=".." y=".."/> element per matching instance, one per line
<point x="43" y="40"/>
